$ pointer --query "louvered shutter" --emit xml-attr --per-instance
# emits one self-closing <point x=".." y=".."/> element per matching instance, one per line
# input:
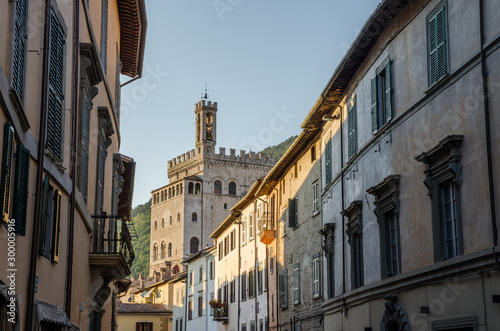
<point x="21" y="187"/>
<point x="283" y="290"/>
<point x="19" y="48"/>
<point x="55" y="98"/>
<point x="8" y="153"/>
<point x="150" y="326"/>
<point x="104" y="34"/>
<point x="43" y="225"/>
<point x="137" y="326"/>
<point x="84" y="143"/>
<point x="374" y="105"/>
<point x="437" y="46"/>
<point x="352" y="124"/>
<point x="388" y="92"/>
<point x="328" y="161"/>
<point x="56" y="226"/>
<point x="291" y="213"/>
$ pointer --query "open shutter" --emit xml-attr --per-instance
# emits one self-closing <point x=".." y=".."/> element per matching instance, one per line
<point x="21" y="189"/>
<point x="352" y="123"/>
<point x="291" y="213"/>
<point x="374" y="105"/>
<point x="43" y="225"/>
<point x="56" y="227"/>
<point x="84" y="143"/>
<point x="104" y="34"/>
<point x="441" y="43"/>
<point x="19" y="49"/>
<point x="328" y="161"/>
<point x="8" y="153"/>
<point x="55" y="102"/>
<point x="388" y="92"/>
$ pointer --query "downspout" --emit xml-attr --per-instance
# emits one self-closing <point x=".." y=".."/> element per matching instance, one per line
<point x="343" y="203"/>
<point x="39" y="171"/>
<point x="239" y="268"/>
<point x="71" y="229"/>
<point x="256" y="262"/>
<point x="487" y="126"/>
<point x="185" y="298"/>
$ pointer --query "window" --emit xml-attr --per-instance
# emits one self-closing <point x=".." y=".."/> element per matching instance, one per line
<point x="156" y="225"/>
<point x="250" y="226"/>
<point x="19" y="41"/>
<point x="271" y="259"/>
<point x="387" y="210"/>
<point x="163" y="249"/>
<point x="328" y="232"/>
<point x="180" y="324"/>
<point x="217" y="187"/>
<point x="200" y="304"/>
<point x="221" y="250"/>
<point x="243" y="327"/>
<point x="197" y="189"/>
<point x="252" y="326"/>
<point x="243" y="231"/>
<point x="190" y="308"/>
<point x="226" y="245"/>
<point x="55" y="89"/>
<point x="155" y="252"/>
<point x="251" y="283"/>
<point x="296" y="283"/>
<point x="315" y="189"/>
<point x="232" y="291"/>
<point x="232" y="188"/>
<point x="352" y="124"/>
<point x="443" y="179"/>
<point x="225" y="205"/>
<point x="225" y="293"/>
<point x="194" y="217"/>
<point x="170" y="221"/>
<point x="259" y="279"/>
<point x="212" y="269"/>
<point x="178" y="217"/>
<point x="316" y="288"/>
<point x="190" y="188"/>
<point x="193" y="245"/>
<point x="354" y="231"/>
<point x="381" y="95"/>
<point x="144" y="326"/>
<point x="201" y="274"/>
<point x="243" y="286"/>
<point x="261" y="325"/>
<point x="212" y="297"/>
<point x="163" y="223"/>
<point x="293" y="212"/>
<point x="283" y="288"/>
<point x="191" y="277"/>
<point x="313" y="153"/>
<point x="51" y="222"/>
<point x="232" y="235"/>
<point x="283" y="186"/>
<point x="328" y="161"/>
<point x="437" y="45"/>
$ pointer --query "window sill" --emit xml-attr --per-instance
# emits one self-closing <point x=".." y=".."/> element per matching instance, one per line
<point x="440" y="82"/>
<point x="316" y="213"/>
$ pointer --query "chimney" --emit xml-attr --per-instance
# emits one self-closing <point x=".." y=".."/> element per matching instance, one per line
<point x="168" y="269"/>
<point x="141" y="281"/>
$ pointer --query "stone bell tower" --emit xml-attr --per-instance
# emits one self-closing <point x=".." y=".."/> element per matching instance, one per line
<point x="206" y="125"/>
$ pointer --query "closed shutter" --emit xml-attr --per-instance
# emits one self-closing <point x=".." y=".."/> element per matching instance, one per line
<point x="84" y="143"/>
<point x="291" y="213"/>
<point x="104" y="34"/>
<point x="352" y="126"/>
<point x="388" y="92"/>
<point x="374" y="105"/>
<point x="8" y="153"/>
<point x="21" y="187"/>
<point x="19" y="49"/>
<point x="437" y="46"/>
<point x="283" y="290"/>
<point x="137" y="326"/>
<point x="296" y="283"/>
<point x="45" y="212"/>
<point x="55" y="98"/>
<point x="56" y="226"/>
<point x="328" y="161"/>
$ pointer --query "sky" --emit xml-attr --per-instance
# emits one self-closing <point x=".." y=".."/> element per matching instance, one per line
<point x="264" y="62"/>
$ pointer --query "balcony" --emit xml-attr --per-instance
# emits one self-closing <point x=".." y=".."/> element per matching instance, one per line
<point x="111" y="253"/>
<point x="266" y="228"/>
<point x="220" y="311"/>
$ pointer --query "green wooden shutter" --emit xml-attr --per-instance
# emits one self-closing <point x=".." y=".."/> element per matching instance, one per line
<point x="104" y="34"/>
<point x="84" y="143"/>
<point x="352" y="130"/>
<point x="21" y="188"/>
<point x="328" y="161"/>
<point x="437" y="46"/>
<point x="291" y="213"/>
<point x="19" y="48"/>
<point x="388" y="92"/>
<point x="55" y="98"/>
<point x="8" y="153"/>
<point x="56" y="227"/>
<point x="374" y="105"/>
<point x="45" y="211"/>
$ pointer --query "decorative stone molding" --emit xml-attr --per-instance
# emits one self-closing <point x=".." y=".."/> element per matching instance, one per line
<point x="395" y="316"/>
<point x="386" y="196"/>
<point x="354" y="217"/>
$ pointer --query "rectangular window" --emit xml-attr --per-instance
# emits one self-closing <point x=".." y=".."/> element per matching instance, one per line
<point x="293" y="212"/>
<point x="260" y="279"/>
<point x="283" y="284"/>
<point x="296" y="283"/>
<point x="437" y="45"/>
<point x="357" y="260"/>
<point x="232" y="240"/>
<point x="244" y="231"/>
<point x="201" y="273"/>
<point x="55" y="89"/>
<point x="261" y="325"/>
<point x="177" y="325"/>
<point x="225" y="293"/>
<point x="328" y="161"/>
<point x="211" y="298"/>
<point x="313" y="153"/>
<point x="252" y="325"/>
<point x="232" y="290"/>
<point x="316" y="276"/>
<point x="144" y="326"/>
<point x="250" y="226"/>
<point x="243" y="286"/>
<point x="51" y="222"/>
<point x="212" y="265"/>
<point x="244" y="327"/>
<point x="226" y="245"/>
<point x="221" y="250"/>
<point x="352" y="124"/>
<point x="190" y="308"/>
<point x="191" y="277"/>
<point x="381" y="96"/>
<point x="271" y="259"/>
<point x="180" y="323"/>
<point x="251" y="283"/>
<point x="315" y="189"/>
<point x="200" y="305"/>
<point x="392" y="245"/>
<point x="449" y="219"/>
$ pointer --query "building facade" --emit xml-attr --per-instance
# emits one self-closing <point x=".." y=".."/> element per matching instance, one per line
<point x="66" y="191"/>
<point x="203" y="186"/>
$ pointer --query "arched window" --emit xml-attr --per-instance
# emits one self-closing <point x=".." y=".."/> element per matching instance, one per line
<point x="155" y="252"/>
<point x="173" y="191"/>
<point x="162" y="196"/>
<point x="154" y="199"/>
<point x="169" y="192"/>
<point x="162" y="253"/>
<point x="181" y="189"/>
<point x="217" y="187"/>
<point x="197" y="189"/>
<point x="170" y="221"/>
<point x="178" y="217"/>
<point x="177" y="190"/>
<point x="193" y="245"/>
<point x="225" y="205"/>
<point x="162" y="222"/>
<point x="169" y="250"/>
<point x="194" y="217"/>
<point x="232" y="188"/>
<point x="190" y="188"/>
<point x="156" y="225"/>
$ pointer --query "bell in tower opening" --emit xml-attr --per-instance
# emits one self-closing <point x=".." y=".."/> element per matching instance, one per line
<point x="209" y="126"/>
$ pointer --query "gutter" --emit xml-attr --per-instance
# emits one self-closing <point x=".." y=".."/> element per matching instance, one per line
<point x="39" y="171"/>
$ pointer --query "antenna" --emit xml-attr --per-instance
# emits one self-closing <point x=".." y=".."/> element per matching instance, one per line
<point x="205" y="95"/>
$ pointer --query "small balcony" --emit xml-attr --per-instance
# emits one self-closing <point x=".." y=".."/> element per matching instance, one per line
<point x="220" y="311"/>
<point x="266" y="228"/>
<point x="111" y="252"/>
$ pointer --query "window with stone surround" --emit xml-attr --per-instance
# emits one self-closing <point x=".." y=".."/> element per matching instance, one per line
<point x="328" y="233"/>
<point x="354" y="231"/>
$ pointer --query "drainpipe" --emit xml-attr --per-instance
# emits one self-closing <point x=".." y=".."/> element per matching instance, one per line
<point x="343" y="202"/>
<point x="71" y="229"/>
<point x="39" y="171"/>
<point x="487" y="126"/>
<point x="239" y="268"/>
<point x="256" y="262"/>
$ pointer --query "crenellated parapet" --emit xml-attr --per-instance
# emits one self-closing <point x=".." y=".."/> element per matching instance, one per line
<point x="249" y="157"/>
<point x="206" y="104"/>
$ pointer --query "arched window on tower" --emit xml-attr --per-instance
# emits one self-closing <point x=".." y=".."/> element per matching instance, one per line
<point x="163" y="248"/>
<point x="193" y="245"/>
<point x="177" y="190"/>
<point x="170" y="221"/>
<point x="154" y="199"/>
<point x="162" y="196"/>
<point x="217" y="187"/>
<point x="169" y="192"/>
<point x="181" y="188"/>
<point x="194" y="217"/>
<point x="178" y="217"/>
<point x="197" y="189"/>
<point x="169" y="250"/>
<point x="155" y="252"/>
<point x="232" y="188"/>
<point x="190" y="188"/>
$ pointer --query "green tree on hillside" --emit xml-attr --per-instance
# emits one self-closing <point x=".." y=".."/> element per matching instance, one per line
<point x="142" y="222"/>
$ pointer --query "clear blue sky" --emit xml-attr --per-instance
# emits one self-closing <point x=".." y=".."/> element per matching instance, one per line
<point x="265" y="63"/>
